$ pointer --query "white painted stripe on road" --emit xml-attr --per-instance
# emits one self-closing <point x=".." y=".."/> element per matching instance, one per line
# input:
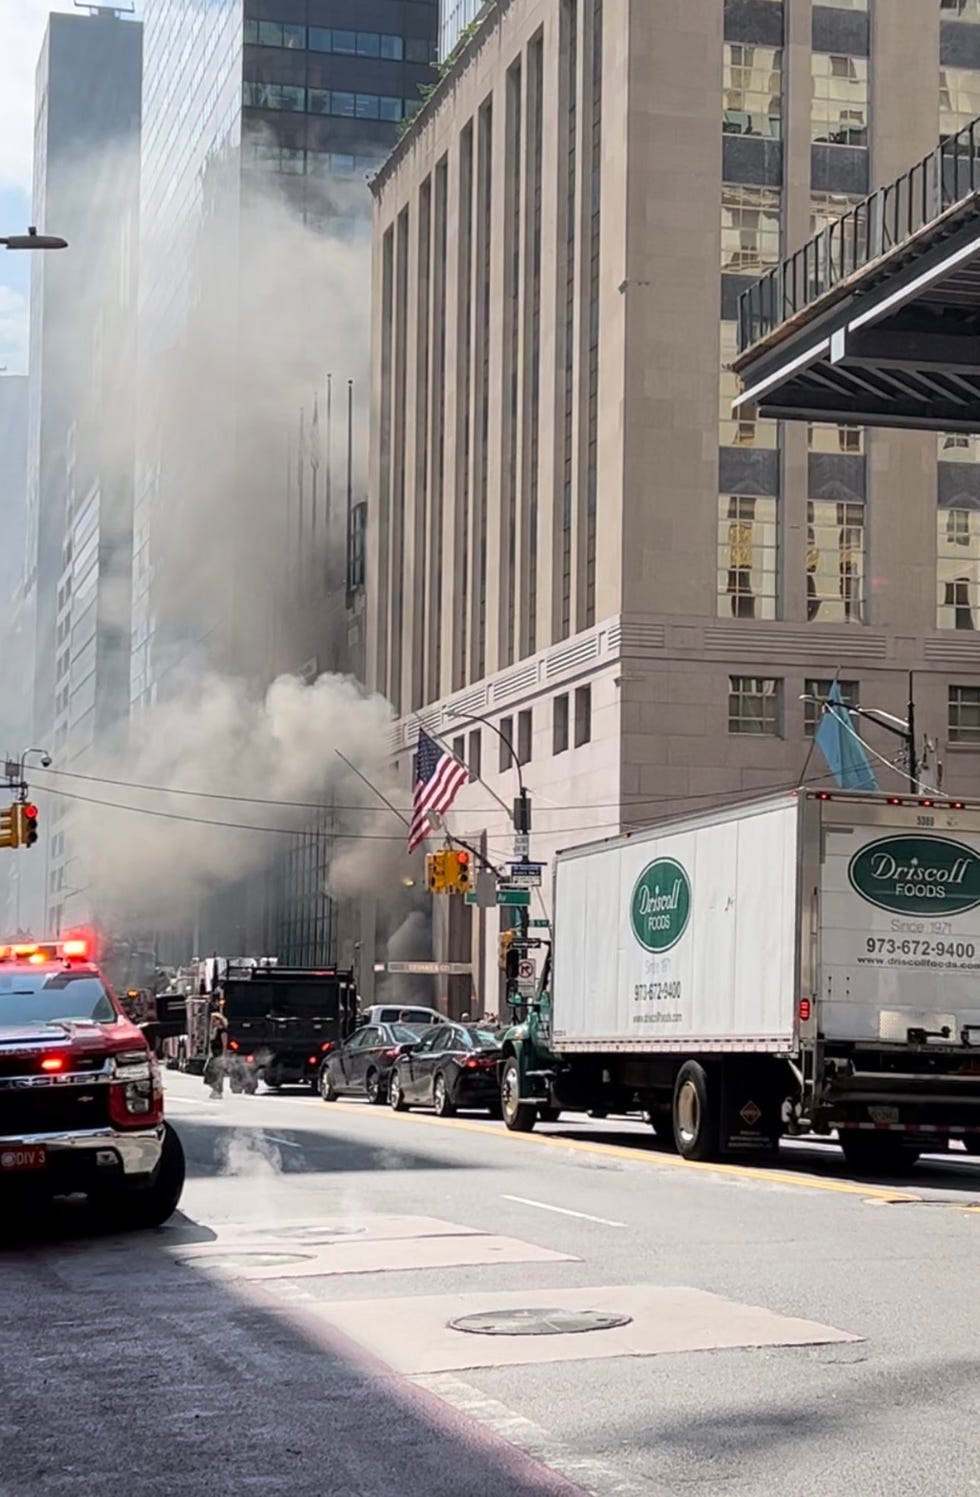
<point x="564" y="1211"/>
<point x="594" y="1477"/>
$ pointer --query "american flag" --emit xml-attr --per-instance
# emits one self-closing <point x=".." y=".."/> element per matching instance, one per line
<point x="439" y="777"/>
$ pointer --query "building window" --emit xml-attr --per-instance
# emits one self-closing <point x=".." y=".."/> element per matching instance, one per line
<point x="506" y="742"/>
<point x="583" y="715"/>
<point x="747" y="557"/>
<point x="820" y="690"/>
<point x="835" y="562"/>
<point x="749" y="229"/>
<point x="843" y="4"/>
<point x="740" y="431"/>
<point x="959" y="98"/>
<point x="476" y="753"/>
<point x="274" y="34"/>
<point x="559" y="724"/>
<point x="957" y="10"/>
<point x="958" y="568"/>
<point x="839" y="112"/>
<point x="524" y="738"/>
<point x="958" y="447"/>
<point x="822" y="437"/>
<point x="754" y="705"/>
<point x="459" y="748"/>
<point x="752" y="90"/>
<point x="356" y="527"/>
<point x="963" y="723"/>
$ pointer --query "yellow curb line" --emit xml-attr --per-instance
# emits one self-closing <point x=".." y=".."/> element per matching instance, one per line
<point x="660" y="1161"/>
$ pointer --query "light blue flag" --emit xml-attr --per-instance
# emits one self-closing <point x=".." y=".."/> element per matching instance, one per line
<point x="837" y="739"/>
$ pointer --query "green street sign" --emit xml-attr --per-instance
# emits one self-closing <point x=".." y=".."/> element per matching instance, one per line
<point x="539" y="924"/>
<point x="514" y="898"/>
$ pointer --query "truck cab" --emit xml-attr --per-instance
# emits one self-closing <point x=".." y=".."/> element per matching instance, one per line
<point x="81" y="1102"/>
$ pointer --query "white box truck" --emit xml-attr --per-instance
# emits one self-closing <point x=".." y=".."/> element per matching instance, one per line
<point x="797" y="964"/>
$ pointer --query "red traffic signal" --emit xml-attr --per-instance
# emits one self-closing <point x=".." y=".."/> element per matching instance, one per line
<point x="462" y="859"/>
<point x="28" y="824"/>
<point x="30" y="811"/>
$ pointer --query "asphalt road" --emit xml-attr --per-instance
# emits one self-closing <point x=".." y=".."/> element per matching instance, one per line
<point x="785" y="1331"/>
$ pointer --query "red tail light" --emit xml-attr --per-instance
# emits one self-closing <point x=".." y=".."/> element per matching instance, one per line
<point x="313" y="1060"/>
<point x="805" y="1010"/>
<point x="391" y="1054"/>
<point x="327" y="1045"/>
<point x="485" y="1063"/>
<point x="250" y="1058"/>
<point x="232" y="1044"/>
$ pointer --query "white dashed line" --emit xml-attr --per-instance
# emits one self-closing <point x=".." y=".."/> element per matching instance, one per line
<point x="564" y="1211"/>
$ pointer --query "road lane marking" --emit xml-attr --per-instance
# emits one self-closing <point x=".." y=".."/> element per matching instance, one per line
<point x="645" y="1156"/>
<point x="564" y="1211"/>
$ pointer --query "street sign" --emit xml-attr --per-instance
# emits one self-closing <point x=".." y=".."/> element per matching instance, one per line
<point x="518" y="881"/>
<point x="522" y="844"/>
<point x="539" y="924"/>
<point x="428" y="969"/>
<point x="526" y="875"/>
<point x="514" y="898"/>
<point x="525" y="971"/>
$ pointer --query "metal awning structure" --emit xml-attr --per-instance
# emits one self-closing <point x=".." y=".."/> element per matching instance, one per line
<point x="876" y="321"/>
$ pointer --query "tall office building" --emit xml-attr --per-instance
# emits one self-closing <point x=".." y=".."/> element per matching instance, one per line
<point x="16" y="644"/>
<point x="262" y="121"/>
<point x="455" y="17"/>
<point x="80" y="453"/>
<point x="570" y="536"/>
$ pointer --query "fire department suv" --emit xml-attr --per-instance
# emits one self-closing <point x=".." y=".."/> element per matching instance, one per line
<point x="81" y="1102"/>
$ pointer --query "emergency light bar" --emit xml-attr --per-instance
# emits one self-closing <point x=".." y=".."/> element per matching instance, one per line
<point x="36" y="952"/>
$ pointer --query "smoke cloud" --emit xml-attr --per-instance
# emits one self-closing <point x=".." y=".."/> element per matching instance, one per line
<point x="230" y="558"/>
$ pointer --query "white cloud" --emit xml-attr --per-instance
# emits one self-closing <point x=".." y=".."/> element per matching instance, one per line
<point x="22" y="24"/>
<point x="13" y="330"/>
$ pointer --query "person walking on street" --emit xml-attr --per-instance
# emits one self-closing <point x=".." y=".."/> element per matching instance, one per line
<point x="214" y="1071"/>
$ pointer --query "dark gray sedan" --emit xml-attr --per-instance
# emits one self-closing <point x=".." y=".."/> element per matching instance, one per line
<point x="362" y="1064"/>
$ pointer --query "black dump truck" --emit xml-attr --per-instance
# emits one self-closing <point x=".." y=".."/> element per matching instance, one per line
<point x="282" y="1021"/>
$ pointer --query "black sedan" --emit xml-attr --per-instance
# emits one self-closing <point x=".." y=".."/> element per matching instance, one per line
<point x="453" y="1066"/>
<point x="362" y="1064"/>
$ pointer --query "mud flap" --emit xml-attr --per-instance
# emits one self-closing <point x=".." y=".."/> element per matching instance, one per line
<point x="751" y="1121"/>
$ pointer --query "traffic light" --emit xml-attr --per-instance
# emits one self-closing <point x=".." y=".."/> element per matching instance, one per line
<point x="10" y="826"/>
<point x="27" y="824"/>
<point x="459" y="872"/>
<point x="436" y="872"/>
<point x="505" y="948"/>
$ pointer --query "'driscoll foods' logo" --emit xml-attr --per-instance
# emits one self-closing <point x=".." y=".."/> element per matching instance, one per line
<point x="917" y="875"/>
<point x="661" y="905"/>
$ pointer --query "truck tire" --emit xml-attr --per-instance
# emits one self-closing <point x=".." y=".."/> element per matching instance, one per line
<point x="139" y="1210"/>
<point x="695" y="1113"/>
<point x="662" y="1121"/>
<point x="871" y="1153"/>
<point x="519" y="1116"/>
<point x="549" y="1114"/>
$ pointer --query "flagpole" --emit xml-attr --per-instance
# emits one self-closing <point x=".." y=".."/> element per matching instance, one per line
<point x="300" y="488"/>
<point x="350" y="479"/>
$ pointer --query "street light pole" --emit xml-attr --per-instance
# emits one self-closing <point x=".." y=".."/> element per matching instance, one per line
<point x="521" y="814"/>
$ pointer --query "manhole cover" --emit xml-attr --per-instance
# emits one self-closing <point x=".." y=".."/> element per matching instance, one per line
<point x="539" y="1322"/>
<point x="248" y="1260"/>
<point x="311" y="1235"/>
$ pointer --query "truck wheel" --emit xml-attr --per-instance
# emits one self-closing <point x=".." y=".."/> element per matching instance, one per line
<point x="142" y="1209"/>
<point x="374" y="1089"/>
<point x="327" y="1089"/>
<point x="441" y="1100"/>
<point x="695" y="1112"/>
<point x="549" y="1114"/>
<point x="877" y="1153"/>
<point x="519" y="1116"/>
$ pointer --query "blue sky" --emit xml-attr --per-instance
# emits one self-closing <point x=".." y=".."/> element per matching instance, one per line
<point x="22" y="24"/>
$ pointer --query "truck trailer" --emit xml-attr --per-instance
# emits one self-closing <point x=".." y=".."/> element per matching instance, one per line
<point x="800" y="963"/>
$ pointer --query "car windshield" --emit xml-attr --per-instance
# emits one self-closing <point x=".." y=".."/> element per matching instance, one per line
<point x="404" y="1034"/>
<point x="43" y="998"/>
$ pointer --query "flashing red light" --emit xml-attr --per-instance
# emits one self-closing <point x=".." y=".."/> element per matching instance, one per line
<point x="36" y="958"/>
<point x="30" y="811"/>
<point x="958" y="805"/>
<point x="824" y="795"/>
<point x="927" y="803"/>
<point x="895" y="800"/>
<point x="76" y="947"/>
<point x="463" y="858"/>
<point x="53" y="1063"/>
<point x="805" y="1010"/>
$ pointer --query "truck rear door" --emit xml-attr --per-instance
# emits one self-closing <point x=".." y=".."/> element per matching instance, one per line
<point x="898" y="921"/>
